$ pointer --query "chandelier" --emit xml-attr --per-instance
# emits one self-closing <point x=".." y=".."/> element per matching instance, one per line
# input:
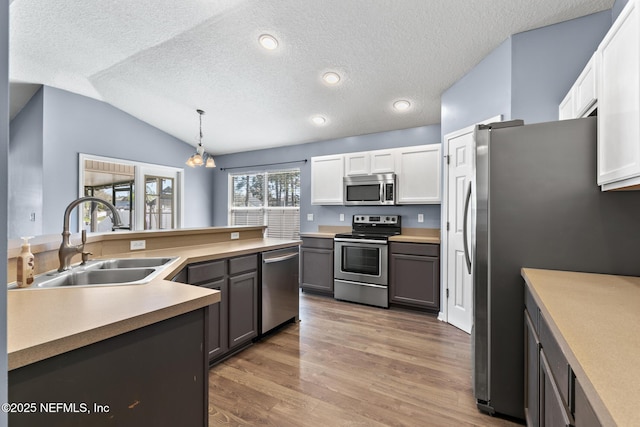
<point x="200" y="157"/>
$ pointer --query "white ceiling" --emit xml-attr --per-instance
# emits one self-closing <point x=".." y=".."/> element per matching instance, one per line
<point x="160" y="60"/>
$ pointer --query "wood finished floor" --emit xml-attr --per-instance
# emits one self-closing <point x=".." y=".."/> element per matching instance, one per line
<point x="350" y="365"/>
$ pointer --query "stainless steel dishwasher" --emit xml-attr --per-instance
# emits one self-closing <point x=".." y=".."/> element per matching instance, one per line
<point x="280" y="295"/>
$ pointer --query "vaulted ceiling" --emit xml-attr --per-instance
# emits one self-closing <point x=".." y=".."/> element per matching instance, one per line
<point x="160" y="60"/>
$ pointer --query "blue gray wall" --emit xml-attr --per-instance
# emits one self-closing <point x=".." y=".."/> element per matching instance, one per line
<point x="4" y="154"/>
<point x="527" y="76"/>
<point x="617" y="8"/>
<point x="482" y="93"/>
<point x="327" y="215"/>
<point x="25" y="172"/>
<point x="547" y="61"/>
<point x="73" y="124"/>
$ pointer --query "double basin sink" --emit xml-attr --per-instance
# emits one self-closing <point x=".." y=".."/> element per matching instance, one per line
<point x="108" y="272"/>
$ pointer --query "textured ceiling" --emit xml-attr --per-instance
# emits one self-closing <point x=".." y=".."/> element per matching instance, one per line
<point x="160" y="60"/>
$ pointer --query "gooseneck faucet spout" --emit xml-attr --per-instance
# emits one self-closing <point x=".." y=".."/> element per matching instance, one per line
<point x="67" y="250"/>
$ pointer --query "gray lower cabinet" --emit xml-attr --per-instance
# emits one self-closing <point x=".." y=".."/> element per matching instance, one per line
<point x="414" y="275"/>
<point x="553" y="409"/>
<point x="583" y="412"/>
<point x="233" y="322"/>
<point x="243" y="300"/>
<point x="316" y="265"/>
<point x="218" y="315"/>
<point x="153" y="376"/>
<point x="553" y="395"/>
<point x="532" y="369"/>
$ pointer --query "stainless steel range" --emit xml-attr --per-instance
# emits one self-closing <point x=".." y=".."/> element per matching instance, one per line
<point x="361" y="260"/>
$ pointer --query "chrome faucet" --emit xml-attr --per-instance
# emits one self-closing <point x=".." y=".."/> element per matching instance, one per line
<point x="67" y="250"/>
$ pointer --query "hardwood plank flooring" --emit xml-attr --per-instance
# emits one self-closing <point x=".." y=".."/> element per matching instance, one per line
<point x="350" y="365"/>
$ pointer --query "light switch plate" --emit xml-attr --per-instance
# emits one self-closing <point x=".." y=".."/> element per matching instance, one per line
<point x="235" y="235"/>
<point x="136" y="245"/>
<point x="309" y="217"/>
<point x="420" y="217"/>
<point x="341" y="217"/>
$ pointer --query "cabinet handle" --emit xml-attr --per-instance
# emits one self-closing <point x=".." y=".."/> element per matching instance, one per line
<point x="467" y="254"/>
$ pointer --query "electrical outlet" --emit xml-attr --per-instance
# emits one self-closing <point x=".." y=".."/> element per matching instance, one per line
<point x="235" y="235"/>
<point x="420" y="217"/>
<point x="137" y="245"/>
<point x="341" y="217"/>
<point x="309" y="217"/>
<point x="32" y="217"/>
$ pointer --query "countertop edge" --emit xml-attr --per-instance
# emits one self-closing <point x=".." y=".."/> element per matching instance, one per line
<point x="27" y="356"/>
<point x="591" y="393"/>
<point x="55" y="346"/>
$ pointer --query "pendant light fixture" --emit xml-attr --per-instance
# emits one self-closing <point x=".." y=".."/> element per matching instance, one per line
<point x="201" y="158"/>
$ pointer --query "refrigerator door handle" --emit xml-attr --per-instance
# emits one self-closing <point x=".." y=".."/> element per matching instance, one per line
<point x="467" y="255"/>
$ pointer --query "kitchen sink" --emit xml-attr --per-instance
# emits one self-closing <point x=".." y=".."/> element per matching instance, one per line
<point x="96" y="277"/>
<point x="107" y="272"/>
<point x="129" y="263"/>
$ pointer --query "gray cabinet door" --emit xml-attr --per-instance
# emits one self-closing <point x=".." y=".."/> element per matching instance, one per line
<point x="584" y="415"/>
<point x="161" y="366"/>
<point x="218" y="327"/>
<point x="243" y="308"/>
<point x="553" y="412"/>
<point x="531" y="374"/>
<point x="415" y="280"/>
<point x="316" y="269"/>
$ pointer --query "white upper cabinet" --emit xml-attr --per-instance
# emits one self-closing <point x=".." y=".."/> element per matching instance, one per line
<point x="418" y="172"/>
<point x="357" y="163"/>
<point x="581" y="98"/>
<point x="619" y="102"/>
<point x="585" y="89"/>
<point x="383" y="161"/>
<point x="565" y="111"/>
<point x="417" y="169"/>
<point x="369" y="162"/>
<point x="326" y="180"/>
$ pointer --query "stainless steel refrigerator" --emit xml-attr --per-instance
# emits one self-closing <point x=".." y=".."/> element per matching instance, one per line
<point x="534" y="202"/>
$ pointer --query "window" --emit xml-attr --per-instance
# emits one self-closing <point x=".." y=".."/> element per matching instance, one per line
<point x="158" y="204"/>
<point x="267" y="198"/>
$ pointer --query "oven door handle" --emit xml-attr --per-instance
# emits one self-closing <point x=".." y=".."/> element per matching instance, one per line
<point x="361" y="241"/>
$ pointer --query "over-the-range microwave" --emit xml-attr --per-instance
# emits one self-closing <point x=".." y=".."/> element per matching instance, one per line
<point x="377" y="189"/>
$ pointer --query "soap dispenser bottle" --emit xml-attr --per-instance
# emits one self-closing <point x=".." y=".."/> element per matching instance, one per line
<point x="26" y="264"/>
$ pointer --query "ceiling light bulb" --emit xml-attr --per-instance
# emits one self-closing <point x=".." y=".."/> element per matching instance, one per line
<point x="401" y="105"/>
<point x="331" y="78"/>
<point x="210" y="163"/>
<point x="318" y="120"/>
<point x="268" y="41"/>
<point x="197" y="159"/>
<point x="190" y="162"/>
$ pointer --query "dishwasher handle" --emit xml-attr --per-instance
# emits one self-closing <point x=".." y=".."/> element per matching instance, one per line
<point x="279" y="258"/>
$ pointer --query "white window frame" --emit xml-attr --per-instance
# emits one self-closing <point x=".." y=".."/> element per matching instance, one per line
<point x="141" y="169"/>
<point x="264" y="208"/>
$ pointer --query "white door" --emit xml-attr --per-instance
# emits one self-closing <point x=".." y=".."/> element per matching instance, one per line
<point x="459" y="286"/>
<point x="457" y="281"/>
<point x="158" y="198"/>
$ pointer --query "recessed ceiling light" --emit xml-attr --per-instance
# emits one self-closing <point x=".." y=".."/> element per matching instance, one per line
<point x="318" y="120"/>
<point x="331" y="78"/>
<point x="401" y="105"/>
<point x="268" y="41"/>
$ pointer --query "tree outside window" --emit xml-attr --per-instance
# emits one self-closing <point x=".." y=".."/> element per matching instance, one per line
<point x="280" y="190"/>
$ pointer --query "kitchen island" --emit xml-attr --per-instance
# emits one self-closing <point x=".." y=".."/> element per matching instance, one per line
<point x="592" y="321"/>
<point x="117" y="355"/>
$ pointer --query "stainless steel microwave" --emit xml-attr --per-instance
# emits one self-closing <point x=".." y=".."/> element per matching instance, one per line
<point x="378" y="189"/>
